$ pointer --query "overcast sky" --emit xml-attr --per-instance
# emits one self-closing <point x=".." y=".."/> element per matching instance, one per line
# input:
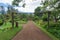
<point x="29" y="7"/>
<point x="6" y="1"/>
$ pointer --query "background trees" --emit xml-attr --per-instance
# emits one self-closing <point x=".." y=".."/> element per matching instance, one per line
<point x="51" y="17"/>
<point x="16" y="2"/>
<point x="2" y="16"/>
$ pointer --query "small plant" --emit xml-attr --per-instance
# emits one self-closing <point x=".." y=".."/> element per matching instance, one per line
<point x="44" y="18"/>
<point x="1" y="23"/>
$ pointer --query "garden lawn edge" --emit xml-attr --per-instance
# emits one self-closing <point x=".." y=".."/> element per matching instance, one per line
<point x="16" y="33"/>
<point x="15" y="30"/>
<point x="45" y="31"/>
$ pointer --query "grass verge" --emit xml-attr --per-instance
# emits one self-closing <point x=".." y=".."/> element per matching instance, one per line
<point x="45" y="31"/>
<point x="7" y="35"/>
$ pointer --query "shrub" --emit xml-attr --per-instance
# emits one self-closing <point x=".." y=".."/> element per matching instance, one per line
<point x="57" y="26"/>
<point x="52" y="25"/>
<point x="1" y="23"/>
<point x="35" y="18"/>
<point x="44" y="18"/>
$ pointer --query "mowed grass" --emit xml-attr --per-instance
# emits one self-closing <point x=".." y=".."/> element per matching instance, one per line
<point x="7" y="25"/>
<point x="6" y="33"/>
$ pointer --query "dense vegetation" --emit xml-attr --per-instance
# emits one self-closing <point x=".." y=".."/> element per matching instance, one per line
<point x="11" y="26"/>
<point x="11" y="22"/>
<point x="49" y="17"/>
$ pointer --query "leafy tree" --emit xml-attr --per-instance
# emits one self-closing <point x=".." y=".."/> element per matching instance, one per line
<point x="16" y="2"/>
<point x="37" y="12"/>
<point x="2" y="14"/>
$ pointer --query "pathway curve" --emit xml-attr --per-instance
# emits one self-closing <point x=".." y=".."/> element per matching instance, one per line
<point x="31" y="32"/>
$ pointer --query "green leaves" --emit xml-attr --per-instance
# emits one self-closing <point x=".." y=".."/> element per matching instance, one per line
<point x="37" y="11"/>
<point x="16" y="2"/>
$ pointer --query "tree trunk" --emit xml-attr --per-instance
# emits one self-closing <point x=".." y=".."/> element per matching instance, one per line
<point x="48" y="18"/>
<point x="55" y="19"/>
<point x="12" y="20"/>
<point x="16" y="24"/>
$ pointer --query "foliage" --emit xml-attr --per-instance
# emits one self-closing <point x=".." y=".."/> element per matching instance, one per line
<point x="37" y="11"/>
<point x="36" y="18"/>
<point x="7" y="35"/>
<point x="52" y="16"/>
<point x="7" y="32"/>
<point x="16" y="2"/>
<point x="54" y="28"/>
<point x="44" y="17"/>
<point x="1" y="22"/>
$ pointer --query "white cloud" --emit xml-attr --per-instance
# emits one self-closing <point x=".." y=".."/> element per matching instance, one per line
<point x="6" y="1"/>
<point x="29" y="7"/>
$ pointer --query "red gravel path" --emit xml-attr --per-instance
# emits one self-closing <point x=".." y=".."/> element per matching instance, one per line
<point x="31" y="32"/>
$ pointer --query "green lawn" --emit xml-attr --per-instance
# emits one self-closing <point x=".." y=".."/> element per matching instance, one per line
<point x="6" y="33"/>
<point x="8" y="25"/>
